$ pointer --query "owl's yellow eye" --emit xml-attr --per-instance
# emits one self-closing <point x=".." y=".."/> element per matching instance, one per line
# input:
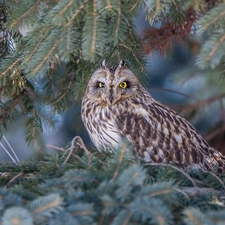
<point x="124" y="84"/>
<point x="100" y="84"/>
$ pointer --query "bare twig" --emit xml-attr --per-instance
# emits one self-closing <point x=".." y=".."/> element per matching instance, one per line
<point x="63" y="150"/>
<point x="81" y="144"/>
<point x="8" y="153"/>
<point x="216" y="132"/>
<point x="13" y="179"/>
<point x="11" y="149"/>
<point x="202" y="102"/>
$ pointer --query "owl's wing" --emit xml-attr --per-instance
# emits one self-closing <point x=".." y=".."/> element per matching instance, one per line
<point x="161" y="135"/>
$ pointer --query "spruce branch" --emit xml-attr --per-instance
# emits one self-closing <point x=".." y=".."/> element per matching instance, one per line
<point x="213" y="17"/>
<point x="212" y="52"/>
<point x="9" y="64"/>
<point x="120" y="161"/>
<point x="46" y="205"/>
<point x="17" y="215"/>
<point x="28" y="8"/>
<point x="46" y="57"/>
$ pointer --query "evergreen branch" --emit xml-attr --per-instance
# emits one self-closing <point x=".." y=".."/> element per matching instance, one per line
<point x="122" y="153"/>
<point x="118" y="20"/>
<point x="175" y="168"/>
<point x="134" y="6"/>
<point x="93" y="43"/>
<point x="196" y="191"/>
<point x="35" y="49"/>
<point x="215" y="48"/>
<point x="134" y="54"/>
<point x="66" y="7"/>
<point x="94" y="32"/>
<point x="35" y="70"/>
<point x="127" y="218"/>
<point x="158" y="5"/>
<point x="5" y="113"/>
<point x="109" y="6"/>
<point x="212" y="17"/>
<point x="82" y="213"/>
<point x="13" y="179"/>
<point x="161" y="192"/>
<point x="26" y="13"/>
<point x="149" y="8"/>
<point x="33" y="125"/>
<point x="217" y="178"/>
<point x="3" y="73"/>
<point x="68" y="39"/>
<point x="195" y="217"/>
<point x="76" y="13"/>
<point x="59" y="98"/>
<point x="48" y="202"/>
<point x="17" y="215"/>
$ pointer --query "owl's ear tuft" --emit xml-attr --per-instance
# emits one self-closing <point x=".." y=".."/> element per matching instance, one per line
<point x="122" y="63"/>
<point x="102" y="63"/>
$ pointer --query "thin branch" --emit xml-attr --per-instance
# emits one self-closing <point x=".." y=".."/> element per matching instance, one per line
<point x="216" y="132"/>
<point x="11" y="149"/>
<point x="172" y="91"/>
<point x="8" y="153"/>
<point x="63" y="150"/>
<point x="202" y="102"/>
<point x="13" y="179"/>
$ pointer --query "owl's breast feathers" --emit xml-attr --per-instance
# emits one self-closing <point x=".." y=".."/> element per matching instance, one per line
<point x="161" y="135"/>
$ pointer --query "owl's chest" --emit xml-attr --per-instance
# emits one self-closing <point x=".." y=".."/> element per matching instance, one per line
<point x="102" y="128"/>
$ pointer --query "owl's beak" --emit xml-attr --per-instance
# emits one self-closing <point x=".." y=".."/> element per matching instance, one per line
<point x="111" y="96"/>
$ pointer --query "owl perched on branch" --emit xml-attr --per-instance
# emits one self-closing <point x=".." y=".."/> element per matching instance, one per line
<point x="117" y="107"/>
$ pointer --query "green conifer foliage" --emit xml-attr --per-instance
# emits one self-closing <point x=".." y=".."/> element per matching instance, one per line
<point x="83" y="187"/>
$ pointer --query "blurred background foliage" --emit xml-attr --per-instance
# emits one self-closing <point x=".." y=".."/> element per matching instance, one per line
<point x="49" y="49"/>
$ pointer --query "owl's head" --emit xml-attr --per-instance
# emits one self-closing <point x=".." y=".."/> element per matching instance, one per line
<point x="110" y="85"/>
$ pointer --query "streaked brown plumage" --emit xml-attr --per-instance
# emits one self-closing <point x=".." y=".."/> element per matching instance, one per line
<point x="117" y="107"/>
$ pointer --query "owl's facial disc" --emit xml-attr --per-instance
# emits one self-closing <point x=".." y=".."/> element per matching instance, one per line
<point x="111" y="85"/>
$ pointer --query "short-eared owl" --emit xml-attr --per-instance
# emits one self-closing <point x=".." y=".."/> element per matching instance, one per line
<point x="116" y="107"/>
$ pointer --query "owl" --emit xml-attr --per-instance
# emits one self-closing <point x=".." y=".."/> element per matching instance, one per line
<point x="116" y="107"/>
